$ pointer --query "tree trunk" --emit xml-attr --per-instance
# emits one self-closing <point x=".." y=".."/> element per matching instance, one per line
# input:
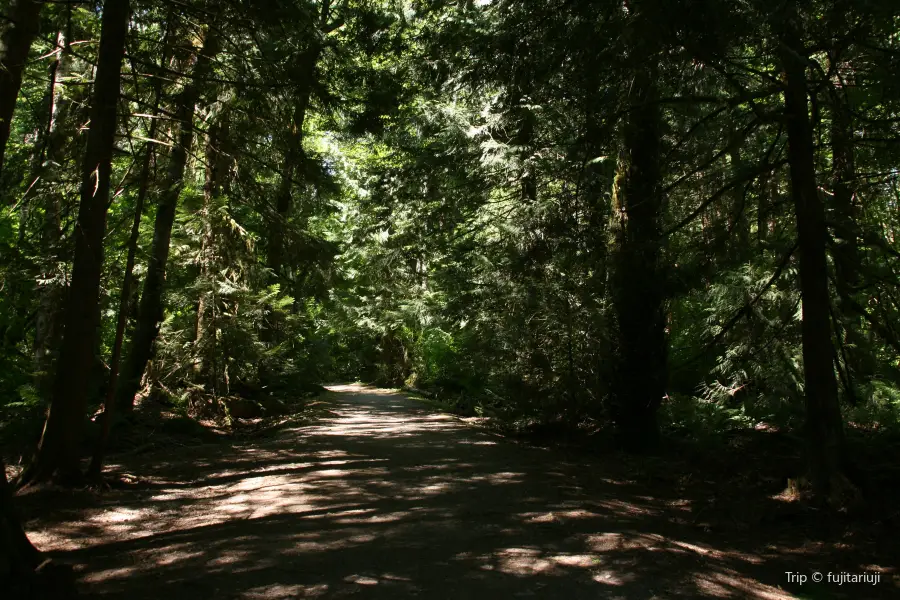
<point x="845" y="250"/>
<point x="294" y="158"/>
<point x="23" y="21"/>
<point x="58" y="451"/>
<point x="216" y="173"/>
<point x="150" y="314"/>
<point x="767" y="189"/>
<point x="24" y="572"/>
<point x="524" y="139"/>
<point x="295" y="155"/>
<point x="51" y="293"/>
<point x="823" y="417"/>
<point x="639" y="348"/>
<point x="18" y="556"/>
<point x="739" y="223"/>
<point x="109" y="404"/>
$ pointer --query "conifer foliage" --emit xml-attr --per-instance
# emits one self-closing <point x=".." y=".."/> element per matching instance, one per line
<point x="653" y="217"/>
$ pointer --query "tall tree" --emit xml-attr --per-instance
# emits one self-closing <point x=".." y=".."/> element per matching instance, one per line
<point x="845" y="248"/>
<point x="48" y="322"/>
<point x="150" y="313"/>
<point x="303" y="77"/>
<point x="22" y="21"/>
<point x="58" y="452"/>
<point x="217" y="167"/>
<point x="109" y="404"/>
<point x="17" y="554"/>
<point x="824" y="428"/>
<point x="638" y="375"/>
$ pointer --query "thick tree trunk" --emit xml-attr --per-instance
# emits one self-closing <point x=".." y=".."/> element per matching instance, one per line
<point x="24" y="573"/>
<point x="824" y="429"/>
<point x="639" y="348"/>
<point x="58" y="451"/>
<point x="150" y="314"/>
<point x="17" y="554"/>
<point x="23" y="21"/>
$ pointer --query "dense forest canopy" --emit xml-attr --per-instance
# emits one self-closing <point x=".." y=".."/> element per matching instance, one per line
<point x="654" y="218"/>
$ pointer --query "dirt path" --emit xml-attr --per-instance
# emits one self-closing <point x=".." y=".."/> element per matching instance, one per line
<point x="387" y="499"/>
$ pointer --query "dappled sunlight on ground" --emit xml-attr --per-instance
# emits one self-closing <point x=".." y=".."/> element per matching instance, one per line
<point x="385" y="499"/>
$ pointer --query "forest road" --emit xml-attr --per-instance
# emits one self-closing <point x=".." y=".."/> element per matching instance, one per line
<point x="385" y="498"/>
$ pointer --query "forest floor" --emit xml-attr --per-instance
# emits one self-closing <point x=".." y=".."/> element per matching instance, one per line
<point x="383" y="497"/>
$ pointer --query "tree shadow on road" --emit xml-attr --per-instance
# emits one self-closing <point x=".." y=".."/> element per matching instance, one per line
<point x="384" y="499"/>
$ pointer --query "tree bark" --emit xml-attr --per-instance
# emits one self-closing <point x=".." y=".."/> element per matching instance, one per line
<point x="638" y="375"/>
<point x="24" y="19"/>
<point x="51" y="293"/>
<point x="824" y="429"/>
<point x="845" y="248"/>
<point x="18" y="556"/>
<point x="58" y="451"/>
<point x="216" y="173"/>
<point x="109" y="404"/>
<point x="24" y="572"/>
<point x="150" y="313"/>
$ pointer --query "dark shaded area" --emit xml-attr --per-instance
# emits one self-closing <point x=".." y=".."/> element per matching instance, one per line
<point x="386" y="499"/>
